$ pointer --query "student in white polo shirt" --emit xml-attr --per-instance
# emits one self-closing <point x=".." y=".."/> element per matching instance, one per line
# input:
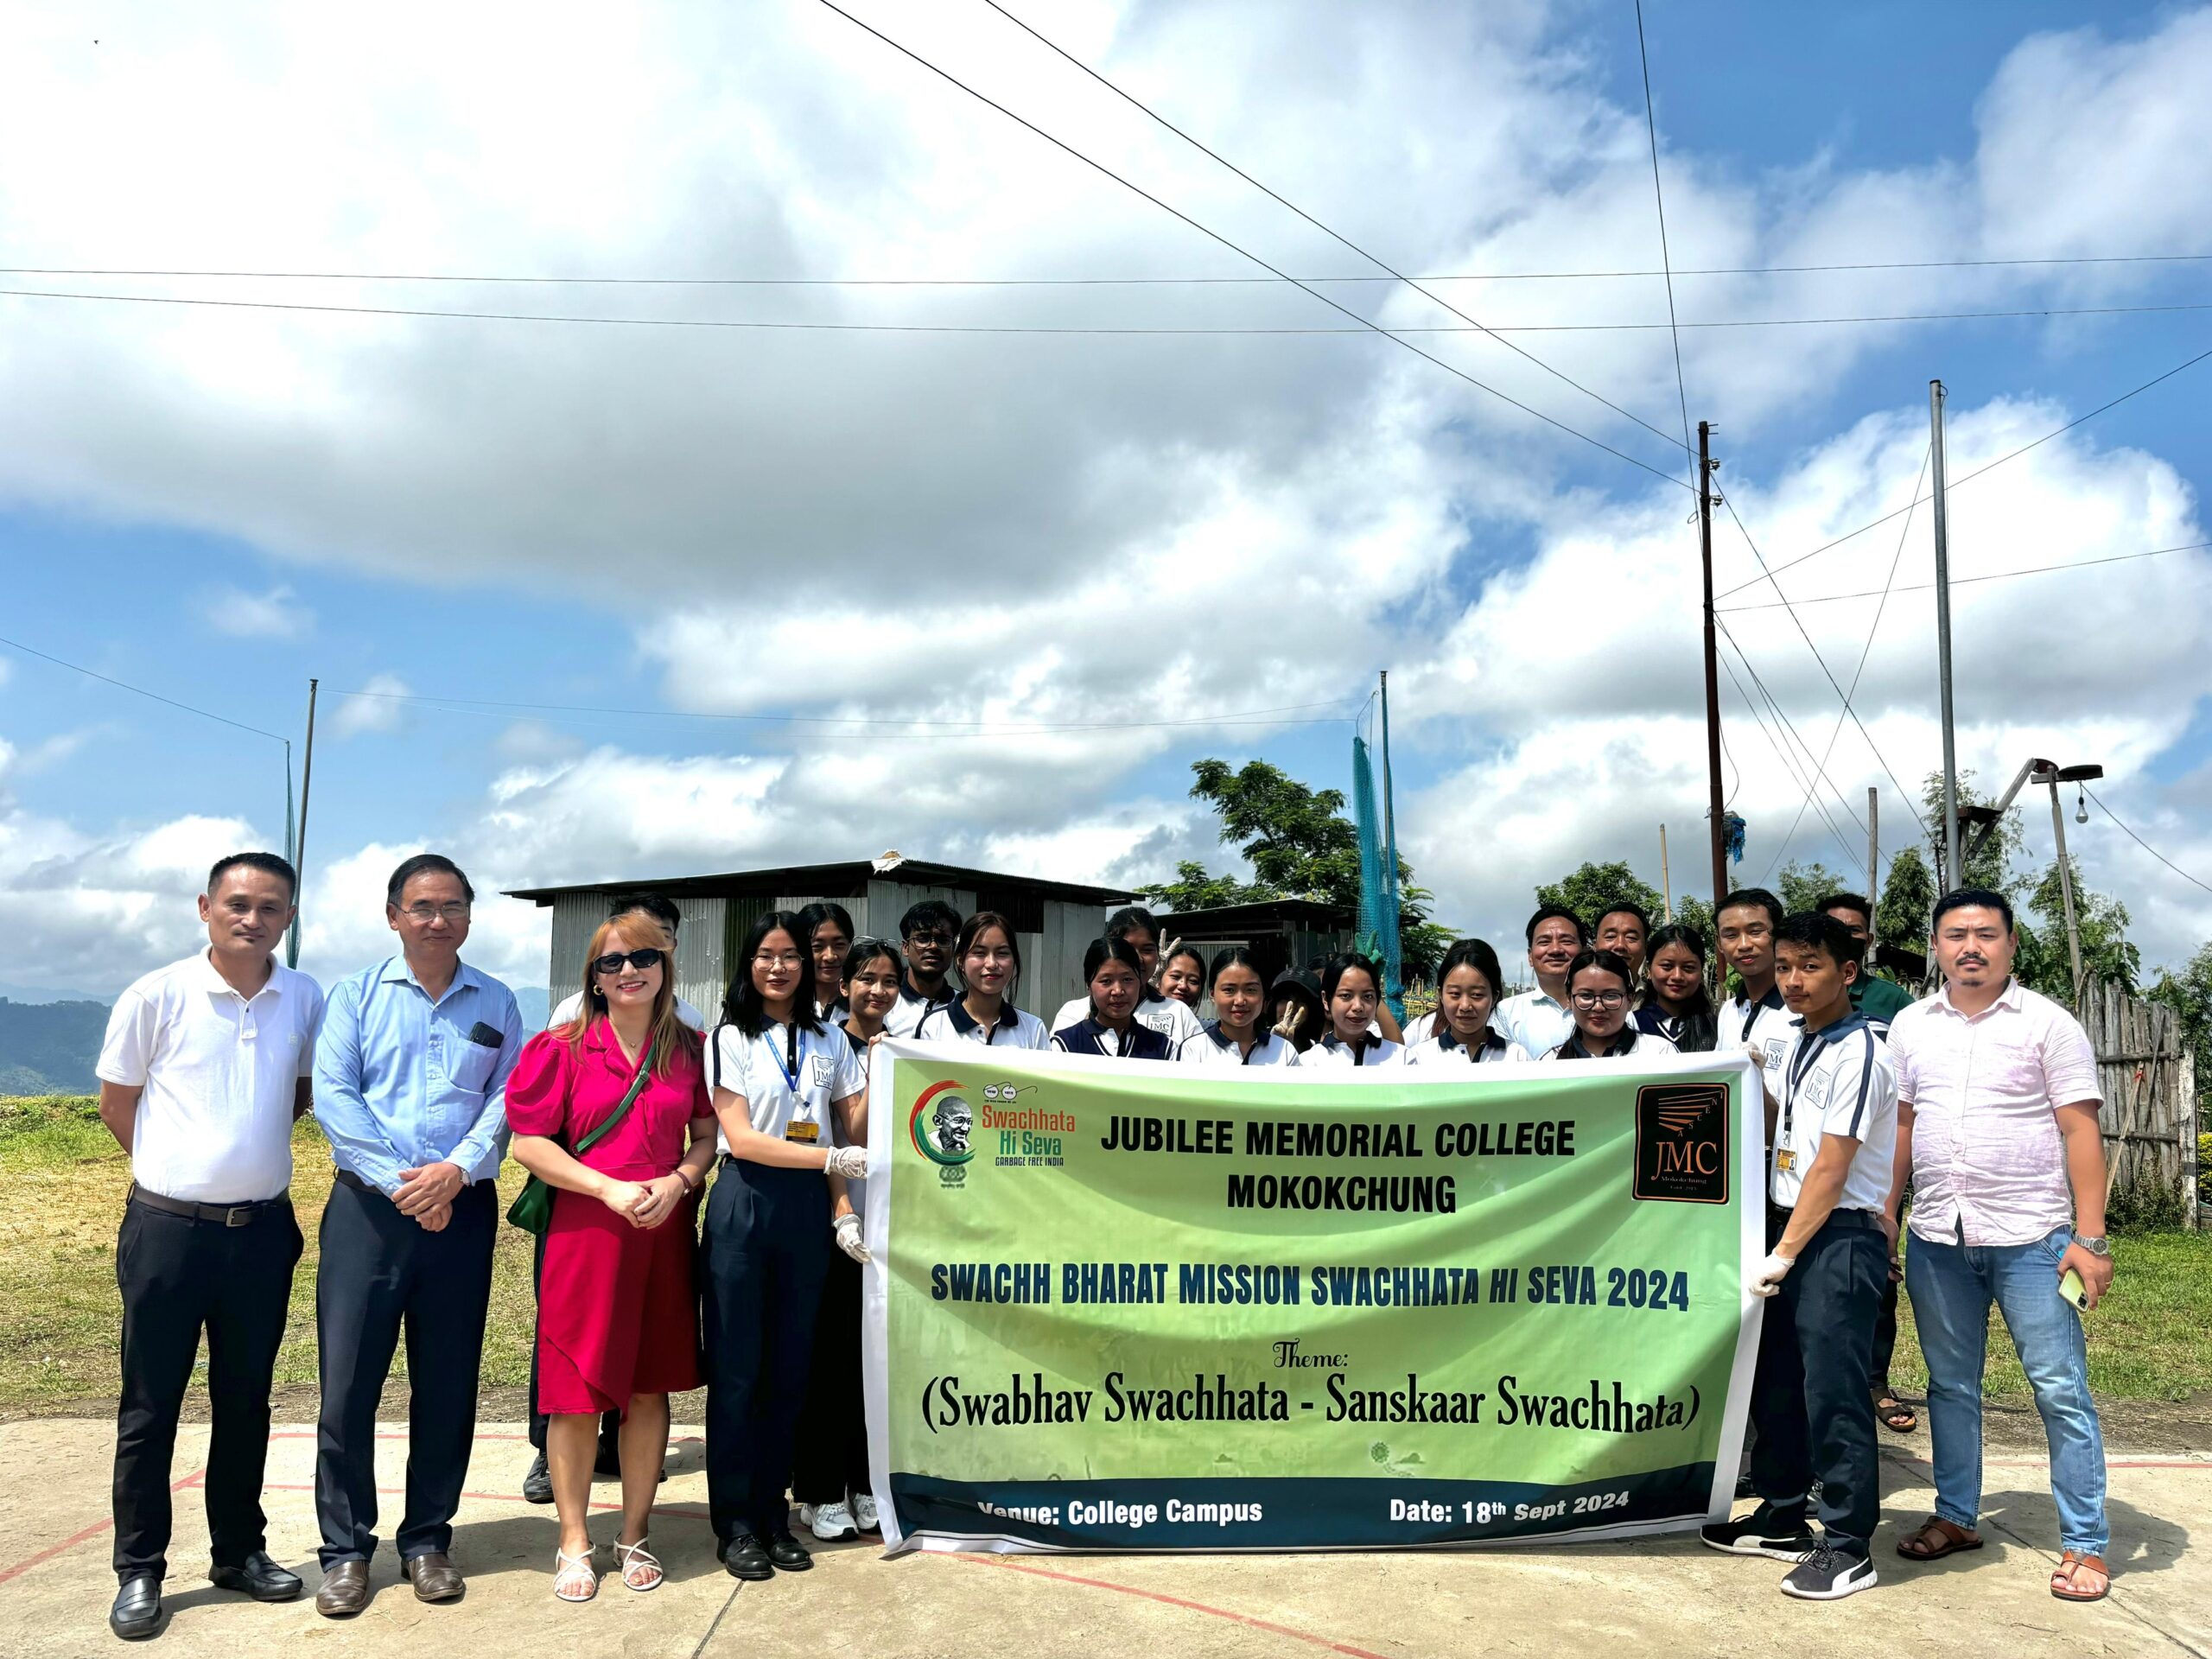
<point x="989" y="962"/>
<point x="1755" y="1018"/>
<point x="1352" y="990"/>
<point x="1235" y="1036"/>
<point x="1468" y="987"/>
<point x="1135" y="926"/>
<point x="1827" y="1262"/>
<point x="205" y="1067"/>
<point x="1108" y="1025"/>
<point x="927" y="933"/>
<point x="778" y="1076"/>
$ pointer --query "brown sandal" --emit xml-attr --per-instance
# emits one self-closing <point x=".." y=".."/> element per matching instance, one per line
<point x="1894" y="1414"/>
<point x="1935" y="1539"/>
<point x="2063" y="1579"/>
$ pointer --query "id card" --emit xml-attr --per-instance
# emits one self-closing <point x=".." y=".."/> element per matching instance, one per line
<point x="1785" y="1158"/>
<point x="807" y="1134"/>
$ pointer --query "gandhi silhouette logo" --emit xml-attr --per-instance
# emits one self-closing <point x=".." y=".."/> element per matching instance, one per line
<point x="1682" y="1142"/>
<point x="940" y="1125"/>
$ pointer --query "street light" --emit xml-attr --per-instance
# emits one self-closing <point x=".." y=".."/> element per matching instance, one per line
<point x="2042" y="771"/>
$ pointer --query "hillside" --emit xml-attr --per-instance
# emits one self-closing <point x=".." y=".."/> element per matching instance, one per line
<point x="48" y="1048"/>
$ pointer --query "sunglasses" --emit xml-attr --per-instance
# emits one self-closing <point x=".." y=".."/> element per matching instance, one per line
<point x="648" y="957"/>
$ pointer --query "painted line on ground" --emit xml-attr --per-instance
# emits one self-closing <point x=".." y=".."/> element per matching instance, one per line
<point x="1183" y="1602"/>
<point x="85" y="1536"/>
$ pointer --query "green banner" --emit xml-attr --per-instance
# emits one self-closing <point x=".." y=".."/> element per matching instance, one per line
<point x="1120" y="1306"/>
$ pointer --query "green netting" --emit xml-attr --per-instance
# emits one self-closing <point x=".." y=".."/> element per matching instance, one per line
<point x="1378" y="878"/>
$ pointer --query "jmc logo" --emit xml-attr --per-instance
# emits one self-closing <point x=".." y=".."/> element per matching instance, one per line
<point x="1682" y="1142"/>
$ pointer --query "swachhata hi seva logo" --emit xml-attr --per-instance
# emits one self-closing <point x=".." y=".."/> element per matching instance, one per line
<point x="942" y="1126"/>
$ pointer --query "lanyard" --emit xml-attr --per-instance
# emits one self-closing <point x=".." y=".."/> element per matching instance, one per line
<point x="1800" y="1063"/>
<point x="790" y="1067"/>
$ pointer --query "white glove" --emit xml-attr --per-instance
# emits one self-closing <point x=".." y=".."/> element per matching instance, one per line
<point x="1767" y="1277"/>
<point x="851" y="1162"/>
<point x="848" y="1229"/>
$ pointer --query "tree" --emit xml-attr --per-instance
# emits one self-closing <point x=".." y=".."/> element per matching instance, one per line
<point x="2044" y="963"/>
<point x="1906" y="903"/>
<point x="2188" y="994"/>
<point x="1992" y="866"/>
<point x="1803" y="885"/>
<point x="1299" y="845"/>
<point x="1594" y="889"/>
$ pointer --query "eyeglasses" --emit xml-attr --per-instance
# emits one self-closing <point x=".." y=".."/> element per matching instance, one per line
<point x="425" y="914"/>
<point x="612" y="963"/>
<point x="783" y="959"/>
<point x="939" y="937"/>
<point x="1600" y="999"/>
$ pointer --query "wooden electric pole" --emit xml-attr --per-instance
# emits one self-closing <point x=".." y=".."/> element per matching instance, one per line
<point x="1717" y="813"/>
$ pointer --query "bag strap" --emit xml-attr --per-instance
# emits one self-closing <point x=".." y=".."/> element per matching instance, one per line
<point x="606" y="1126"/>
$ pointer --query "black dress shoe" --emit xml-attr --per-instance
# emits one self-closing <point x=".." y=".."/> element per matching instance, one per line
<point x="788" y="1554"/>
<point x="745" y="1556"/>
<point x="538" y="1485"/>
<point x="260" y="1578"/>
<point x="138" y="1612"/>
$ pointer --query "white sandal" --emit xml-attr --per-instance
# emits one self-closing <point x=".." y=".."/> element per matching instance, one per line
<point x="633" y="1557"/>
<point x="568" y="1569"/>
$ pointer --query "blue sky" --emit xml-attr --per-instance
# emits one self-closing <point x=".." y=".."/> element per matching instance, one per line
<point x="1108" y="533"/>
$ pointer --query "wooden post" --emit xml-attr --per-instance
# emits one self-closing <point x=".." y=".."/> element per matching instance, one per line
<point x="1666" y="882"/>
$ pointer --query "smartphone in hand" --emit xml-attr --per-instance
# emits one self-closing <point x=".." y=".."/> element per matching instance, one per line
<point x="2069" y="1287"/>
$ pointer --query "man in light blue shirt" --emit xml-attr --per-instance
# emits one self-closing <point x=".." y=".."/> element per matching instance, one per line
<point x="410" y="1080"/>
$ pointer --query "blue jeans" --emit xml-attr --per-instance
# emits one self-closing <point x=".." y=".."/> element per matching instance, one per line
<point x="1952" y="1287"/>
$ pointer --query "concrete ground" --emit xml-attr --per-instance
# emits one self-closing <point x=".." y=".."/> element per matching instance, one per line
<point x="1655" y="1597"/>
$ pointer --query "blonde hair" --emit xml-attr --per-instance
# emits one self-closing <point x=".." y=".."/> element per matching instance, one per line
<point x="640" y="930"/>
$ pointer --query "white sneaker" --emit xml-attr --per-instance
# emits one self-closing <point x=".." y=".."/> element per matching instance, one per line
<point x="864" y="1514"/>
<point x="828" y="1522"/>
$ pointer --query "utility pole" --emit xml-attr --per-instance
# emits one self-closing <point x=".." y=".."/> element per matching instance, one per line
<point x="1954" y="873"/>
<point x="1396" y="989"/>
<point x="2066" y="886"/>
<point x="1666" y="882"/>
<point x="1716" y="812"/>
<point x="300" y="845"/>
<point x="1873" y="847"/>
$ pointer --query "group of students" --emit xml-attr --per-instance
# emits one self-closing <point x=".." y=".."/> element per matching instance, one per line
<point x="629" y="1102"/>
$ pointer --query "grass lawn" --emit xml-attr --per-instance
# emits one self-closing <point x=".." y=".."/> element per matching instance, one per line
<point x="60" y="1314"/>
<point x="59" y="1318"/>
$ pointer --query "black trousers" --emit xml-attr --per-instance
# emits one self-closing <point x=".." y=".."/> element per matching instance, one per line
<point x="610" y="1422"/>
<point x="763" y="1258"/>
<point x="1885" y="1332"/>
<point x="382" y="1272"/>
<point x="831" y="1454"/>
<point x="1811" y="1401"/>
<point x="179" y="1276"/>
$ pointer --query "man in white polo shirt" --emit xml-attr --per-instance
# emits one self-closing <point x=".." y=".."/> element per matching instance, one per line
<point x="204" y="1069"/>
<point x="1998" y="1130"/>
<point x="1538" y="1021"/>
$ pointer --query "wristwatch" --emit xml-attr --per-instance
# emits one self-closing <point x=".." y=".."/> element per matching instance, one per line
<point x="2100" y="1245"/>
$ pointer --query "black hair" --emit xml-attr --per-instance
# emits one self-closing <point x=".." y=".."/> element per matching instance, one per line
<point x="1190" y="951"/>
<point x="921" y="915"/>
<point x="1605" y="962"/>
<point x="743" y="1005"/>
<point x="1701" y="1028"/>
<point x="1846" y="901"/>
<point x="1102" y="952"/>
<point x="425" y="864"/>
<point x="267" y="863"/>
<point x="1337" y="966"/>
<point x="1680" y="933"/>
<point x="1972" y="898"/>
<point x="1235" y="956"/>
<point x="1627" y="907"/>
<point x="1546" y="913"/>
<point x="1816" y="930"/>
<point x="821" y="911"/>
<point x="1477" y="954"/>
<point x="661" y="908"/>
<point x="1297" y="985"/>
<point x="972" y="929"/>
<point x="1747" y="898"/>
<point x="867" y="950"/>
<point x="1118" y="925"/>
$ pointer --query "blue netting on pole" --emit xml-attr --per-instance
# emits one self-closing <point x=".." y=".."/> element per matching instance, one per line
<point x="1378" y="887"/>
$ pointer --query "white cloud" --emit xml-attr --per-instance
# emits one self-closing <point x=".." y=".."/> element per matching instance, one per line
<point x="378" y="707"/>
<point x="277" y="615"/>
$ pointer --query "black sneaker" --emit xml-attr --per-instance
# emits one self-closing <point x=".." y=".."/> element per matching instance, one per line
<point x="1763" y="1532"/>
<point x="745" y="1556"/>
<point x="538" y="1485"/>
<point x="1830" y="1575"/>
<point x="788" y="1554"/>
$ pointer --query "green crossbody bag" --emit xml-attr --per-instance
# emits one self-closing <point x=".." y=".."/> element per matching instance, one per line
<point x="533" y="1210"/>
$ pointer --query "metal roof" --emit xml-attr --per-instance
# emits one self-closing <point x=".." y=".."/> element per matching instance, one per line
<point x="848" y="879"/>
<point x="1322" y="916"/>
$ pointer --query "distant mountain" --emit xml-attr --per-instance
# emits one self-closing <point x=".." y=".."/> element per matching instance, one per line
<point x="533" y="1003"/>
<point x="49" y="1048"/>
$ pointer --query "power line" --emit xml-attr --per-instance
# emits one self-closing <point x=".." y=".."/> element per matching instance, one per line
<point x="1782" y="752"/>
<point x="2144" y="844"/>
<point x="138" y="691"/>
<point x="1959" y="581"/>
<point x="1666" y="262"/>
<point x="1770" y="574"/>
<point x="1836" y="732"/>
<point x="901" y="728"/>
<point x="1216" y="236"/>
<point x="1081" y="282"/>
<point x="783" y="326"/>
<point x="1276" y="196"/>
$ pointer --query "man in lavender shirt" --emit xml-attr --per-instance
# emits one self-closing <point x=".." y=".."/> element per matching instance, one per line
<point x="1997" y="1127"/>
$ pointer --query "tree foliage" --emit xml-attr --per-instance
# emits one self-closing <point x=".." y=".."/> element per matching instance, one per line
<point x="1906" y="902"/>
<point x="1803" y="885"/>
<point x="2188" y="994"/>
<point x="1592" y="889"/>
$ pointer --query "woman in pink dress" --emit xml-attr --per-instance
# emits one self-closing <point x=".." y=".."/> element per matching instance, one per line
<point x="617" y="1320"/>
